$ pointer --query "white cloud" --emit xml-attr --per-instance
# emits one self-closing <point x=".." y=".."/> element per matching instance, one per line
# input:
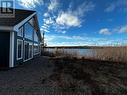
<point x="46" y="14"/>
<point x="65" y="38"/>
<point x="118" y="4"/>
<point x="73" y="18"/>
<point x="84" y="8"/>
<point x="64" y="32"/>
<point x="119" y="29"/>
<point x="110" y="8"/>
<point x="55" y="40"/>
<point x="68" y="19"/>
<point x="123" y="29"/>
<point x="48" y="21"/>
<point x="53" y="5"/>
<point x="60" y="21"/>
<point x="105" y="31"/>
<point x="45" y="28"/>
<point x="30" y="3"/>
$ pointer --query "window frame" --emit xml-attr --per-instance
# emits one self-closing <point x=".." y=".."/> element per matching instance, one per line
<point x="28" y="51"/>
<point x="25" y="36"/>
<point x="21" y="49"/>
<point x="38" y="49"/>
<point x="35" y="35"/>
<point x="22" y="31"/>
<point x="30" y="43"/>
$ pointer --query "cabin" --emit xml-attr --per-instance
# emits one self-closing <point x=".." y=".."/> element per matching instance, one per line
<point x="20" y="38"/>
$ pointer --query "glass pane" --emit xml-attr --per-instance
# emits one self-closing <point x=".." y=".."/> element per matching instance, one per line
<point x="20" y="32"/>
<point x="36" y="49"/>
<point x="35" y="37"/>
<point x="19" y="49"/>
<point x="26" y="50"/>
<point x="32" y="22"/>
<point x="28" y="31"/>
<point x="30" y="50"/>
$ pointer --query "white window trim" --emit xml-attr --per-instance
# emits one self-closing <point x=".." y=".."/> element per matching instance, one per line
<point x="21" y="50"/>
<point x="11" y="58"/>
<point x="28" y="54"/>
<point x="23" y="22"/>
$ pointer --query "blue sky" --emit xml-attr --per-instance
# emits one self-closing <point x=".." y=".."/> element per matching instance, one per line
<point x="80" y="22"/>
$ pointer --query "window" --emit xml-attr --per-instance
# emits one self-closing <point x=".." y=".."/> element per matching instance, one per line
<point x="35" y="36"/>
<point x="36" y="49"/>
<point x="28" y="31"/>
<point x="20" y="32"/>
<point x="31" y="21"/>
<point x="28" y="50"/>
<point x="19" y="49"/>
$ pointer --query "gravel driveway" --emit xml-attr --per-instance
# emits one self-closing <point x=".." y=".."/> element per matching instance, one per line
<point x="27" y="78"/>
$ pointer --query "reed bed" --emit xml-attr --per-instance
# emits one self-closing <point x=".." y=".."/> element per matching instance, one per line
<point x="118" y="54"/>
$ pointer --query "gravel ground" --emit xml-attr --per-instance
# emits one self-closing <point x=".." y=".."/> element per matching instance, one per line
<point x="27" y="79"/>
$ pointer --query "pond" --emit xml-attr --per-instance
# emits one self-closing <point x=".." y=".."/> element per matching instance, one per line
<point x="77" y="51"/>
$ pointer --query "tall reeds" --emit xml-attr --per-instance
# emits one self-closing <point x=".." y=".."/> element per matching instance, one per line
<point x="118" y="54"/>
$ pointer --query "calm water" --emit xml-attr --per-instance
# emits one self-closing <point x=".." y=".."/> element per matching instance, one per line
<point x="79" y="52"/>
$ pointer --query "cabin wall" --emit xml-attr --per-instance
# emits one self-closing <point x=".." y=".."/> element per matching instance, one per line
<point x="4" y="49"/>
<point x="20" y="61"/>
<point x="28" y="42"/>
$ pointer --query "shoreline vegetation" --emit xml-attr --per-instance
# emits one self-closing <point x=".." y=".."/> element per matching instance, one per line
<point x="108" y="53"/>
<point x="89" y="75"/>
<point x="86" y="47"/>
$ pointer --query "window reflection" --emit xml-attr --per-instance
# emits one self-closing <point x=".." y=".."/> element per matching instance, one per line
<point x="28" y="31"/>
<point x="35" y="36"/>
<point x="36" y="49"/>
<point x="20" y="32"/>
<point x="19" y="49"/>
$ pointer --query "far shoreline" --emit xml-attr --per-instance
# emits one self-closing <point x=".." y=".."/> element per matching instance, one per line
<point x="82" y="47"/>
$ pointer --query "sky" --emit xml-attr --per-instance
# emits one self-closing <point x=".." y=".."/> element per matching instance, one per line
<point x="80" y="22"/>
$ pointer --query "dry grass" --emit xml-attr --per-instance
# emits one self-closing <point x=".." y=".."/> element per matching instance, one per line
<point x="79" y="77"/>
<point x="117" y="54"/>
<point x="62" y="53"/>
